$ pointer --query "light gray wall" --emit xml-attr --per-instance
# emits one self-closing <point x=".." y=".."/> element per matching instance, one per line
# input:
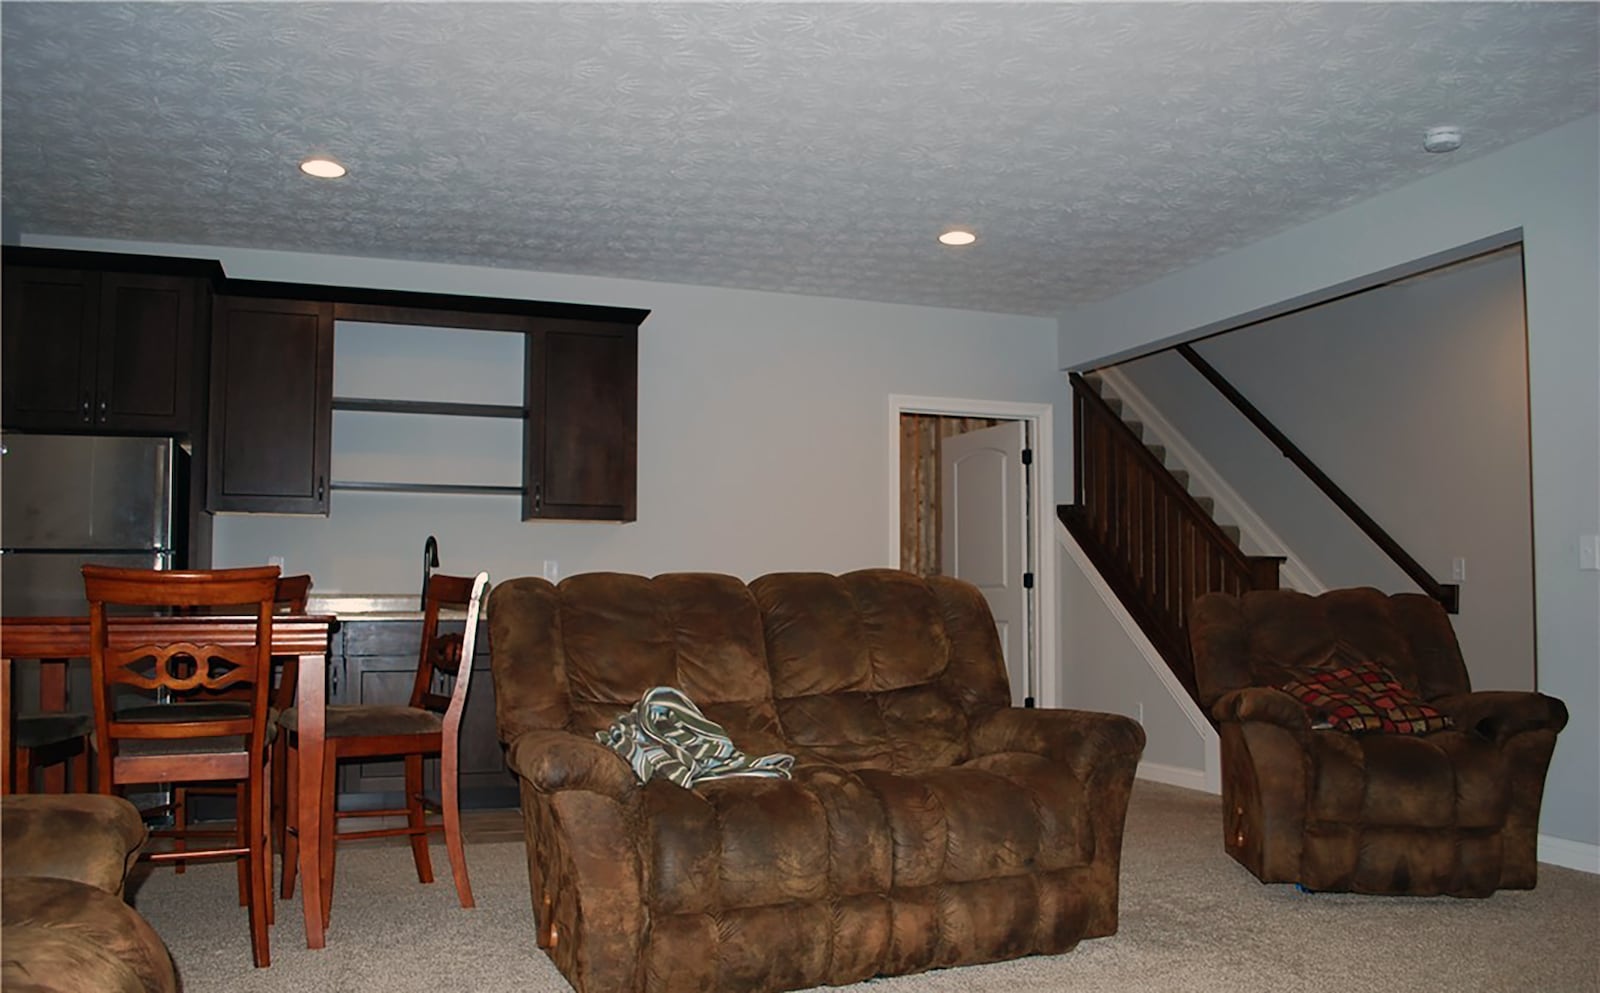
<point x="1413" y="398"/>
<point x="1549" y="188"/>
<point x="764" y="428"/>
<point x="1103" y="670"/>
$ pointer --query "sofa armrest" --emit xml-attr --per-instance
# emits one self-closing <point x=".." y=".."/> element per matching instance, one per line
<point x="1087" y="742"/>
<point x="552" y="761"/>
<point x="86" y="837"/>
<point x="1499" y="714"/>
<point x="1266" y="704"/>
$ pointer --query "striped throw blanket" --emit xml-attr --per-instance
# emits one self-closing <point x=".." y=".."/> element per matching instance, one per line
<point x="666" y="735"/>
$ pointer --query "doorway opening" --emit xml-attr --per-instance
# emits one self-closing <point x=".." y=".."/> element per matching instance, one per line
<point x="971" y="495"/>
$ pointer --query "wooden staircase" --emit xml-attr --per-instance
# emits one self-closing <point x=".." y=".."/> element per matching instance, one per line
<point x="1155" y="543"/>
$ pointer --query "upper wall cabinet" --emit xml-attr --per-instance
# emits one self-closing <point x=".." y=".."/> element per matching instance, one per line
<point x="100" y="351"/>
<point x="114" y="343"/>
<point x="580" y="442"/>
<point x="271" y="406"/>
<point x="272" y="399"/>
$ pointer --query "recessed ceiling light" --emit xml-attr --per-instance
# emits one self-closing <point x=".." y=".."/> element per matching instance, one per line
<point x="1442" y="139"/>
<point x="322" y="168"/>
<point x="957" y="237"/>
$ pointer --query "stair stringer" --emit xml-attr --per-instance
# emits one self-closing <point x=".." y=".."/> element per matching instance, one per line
<point x="1257" y="538"/>
<point x="1208" y="779"/>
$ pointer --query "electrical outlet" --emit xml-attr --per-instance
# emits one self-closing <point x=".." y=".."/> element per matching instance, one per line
<point x="276" y="560"/>
<point x="552" y="570"/>
<point x="1139" y="712"/>
<point x="1589" y="552"/>
<point x="1458" y="569"/>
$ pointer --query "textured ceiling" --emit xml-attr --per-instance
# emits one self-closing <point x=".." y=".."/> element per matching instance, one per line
<point x="807" y="148"/>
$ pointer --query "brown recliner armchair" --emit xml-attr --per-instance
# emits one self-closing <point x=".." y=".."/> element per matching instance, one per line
<point x="928" y="823"/>
<point x="1452" y="811"/>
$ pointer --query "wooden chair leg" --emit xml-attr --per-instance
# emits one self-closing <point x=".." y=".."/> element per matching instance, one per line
<point x="22" y="757"/>
<point x="254" y="816"/>
<point x="290" y="838"/>
<point x="80" y="768"/>
<point x="328" y="828"/>
<point x="243" y="825"/>
<point x="449" y="799"/>
<point x="264" y="836"/>
<point x="417" y="818"/>
<point x="280" y="787"/>
<point x="180" y="824"/>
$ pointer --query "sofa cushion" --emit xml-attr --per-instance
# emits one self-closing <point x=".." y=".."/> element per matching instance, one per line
<point x="700" y="633"/>
<point x="54" y="927"/>
<point x="862" y="669"/>
<point x="830" y="832"/>
<point x="1444" y="780"/>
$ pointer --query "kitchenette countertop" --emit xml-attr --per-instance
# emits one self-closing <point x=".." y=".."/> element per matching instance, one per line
<point x="373" y="607"/>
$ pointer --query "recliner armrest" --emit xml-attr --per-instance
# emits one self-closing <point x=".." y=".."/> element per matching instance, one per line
<point x="1263" y="703"/>
<point x="552" y="761"/>
<point x="1499" y="714"/>
<point x="1087" y="742"/>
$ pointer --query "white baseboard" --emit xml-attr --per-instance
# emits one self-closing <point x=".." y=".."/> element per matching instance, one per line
<point x="1569" y="854"/>
<point x="1175" y="775"/>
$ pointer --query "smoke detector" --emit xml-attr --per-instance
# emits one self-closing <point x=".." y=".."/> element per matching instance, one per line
<point x="1442" y="139"/>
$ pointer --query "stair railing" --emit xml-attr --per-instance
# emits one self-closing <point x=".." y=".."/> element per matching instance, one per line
<point x="1448" y="594"/>
<point x="1148" y="536"/>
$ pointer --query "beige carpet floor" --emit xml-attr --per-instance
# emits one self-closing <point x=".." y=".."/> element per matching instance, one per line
<point x="1192" y="920"/>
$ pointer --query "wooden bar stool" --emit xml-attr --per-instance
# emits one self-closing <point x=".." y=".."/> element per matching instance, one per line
<point x="189" y="740"/>
<point x="429" y="725"/>
<point x="293" y="592"/>
<point x="32" y="741"/>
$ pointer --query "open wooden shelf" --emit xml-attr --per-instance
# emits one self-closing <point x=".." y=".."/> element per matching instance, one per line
<point x="429" y="407"/>
<point x="401" y="487"/>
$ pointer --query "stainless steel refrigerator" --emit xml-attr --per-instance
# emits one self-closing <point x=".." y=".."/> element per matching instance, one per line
<point x="70" y="499"/>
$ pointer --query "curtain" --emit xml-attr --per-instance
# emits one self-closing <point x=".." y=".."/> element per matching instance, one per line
<point x="920" y="440"/>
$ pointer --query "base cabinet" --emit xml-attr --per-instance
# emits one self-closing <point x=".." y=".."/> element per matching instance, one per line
<point x="377" y="664"/>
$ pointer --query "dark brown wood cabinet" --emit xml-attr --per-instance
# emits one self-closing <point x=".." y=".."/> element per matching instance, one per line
<point x="117" y="344"/>
<point x="581" y="438"/>
<point x="271" y="416"/>
<point x="100" y="351"/>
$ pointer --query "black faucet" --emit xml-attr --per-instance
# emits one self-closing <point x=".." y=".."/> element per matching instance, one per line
<point x="430" y="562"/>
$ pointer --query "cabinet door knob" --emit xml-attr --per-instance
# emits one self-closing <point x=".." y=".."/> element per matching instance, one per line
<point x="83" y="409"/>
<point x="321" y="489"/>
<point x="538" y="497"/>
<point x="102" y="411"/>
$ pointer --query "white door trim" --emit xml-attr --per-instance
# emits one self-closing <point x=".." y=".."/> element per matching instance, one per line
<point x="1040" y="417"/>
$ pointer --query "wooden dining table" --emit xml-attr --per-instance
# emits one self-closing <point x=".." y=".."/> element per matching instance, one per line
<point x="54" y="640"/>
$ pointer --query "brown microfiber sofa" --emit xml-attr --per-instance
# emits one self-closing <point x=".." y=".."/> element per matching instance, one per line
<point x="64" y="927"/>
<point x="928" y="823"/>
<point x="1453" y="811"/>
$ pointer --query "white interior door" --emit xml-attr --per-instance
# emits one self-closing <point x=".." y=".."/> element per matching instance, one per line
<point x="984" y="534"/>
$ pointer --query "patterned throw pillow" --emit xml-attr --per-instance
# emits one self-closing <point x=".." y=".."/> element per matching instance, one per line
<point x="1364" y="696"/>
